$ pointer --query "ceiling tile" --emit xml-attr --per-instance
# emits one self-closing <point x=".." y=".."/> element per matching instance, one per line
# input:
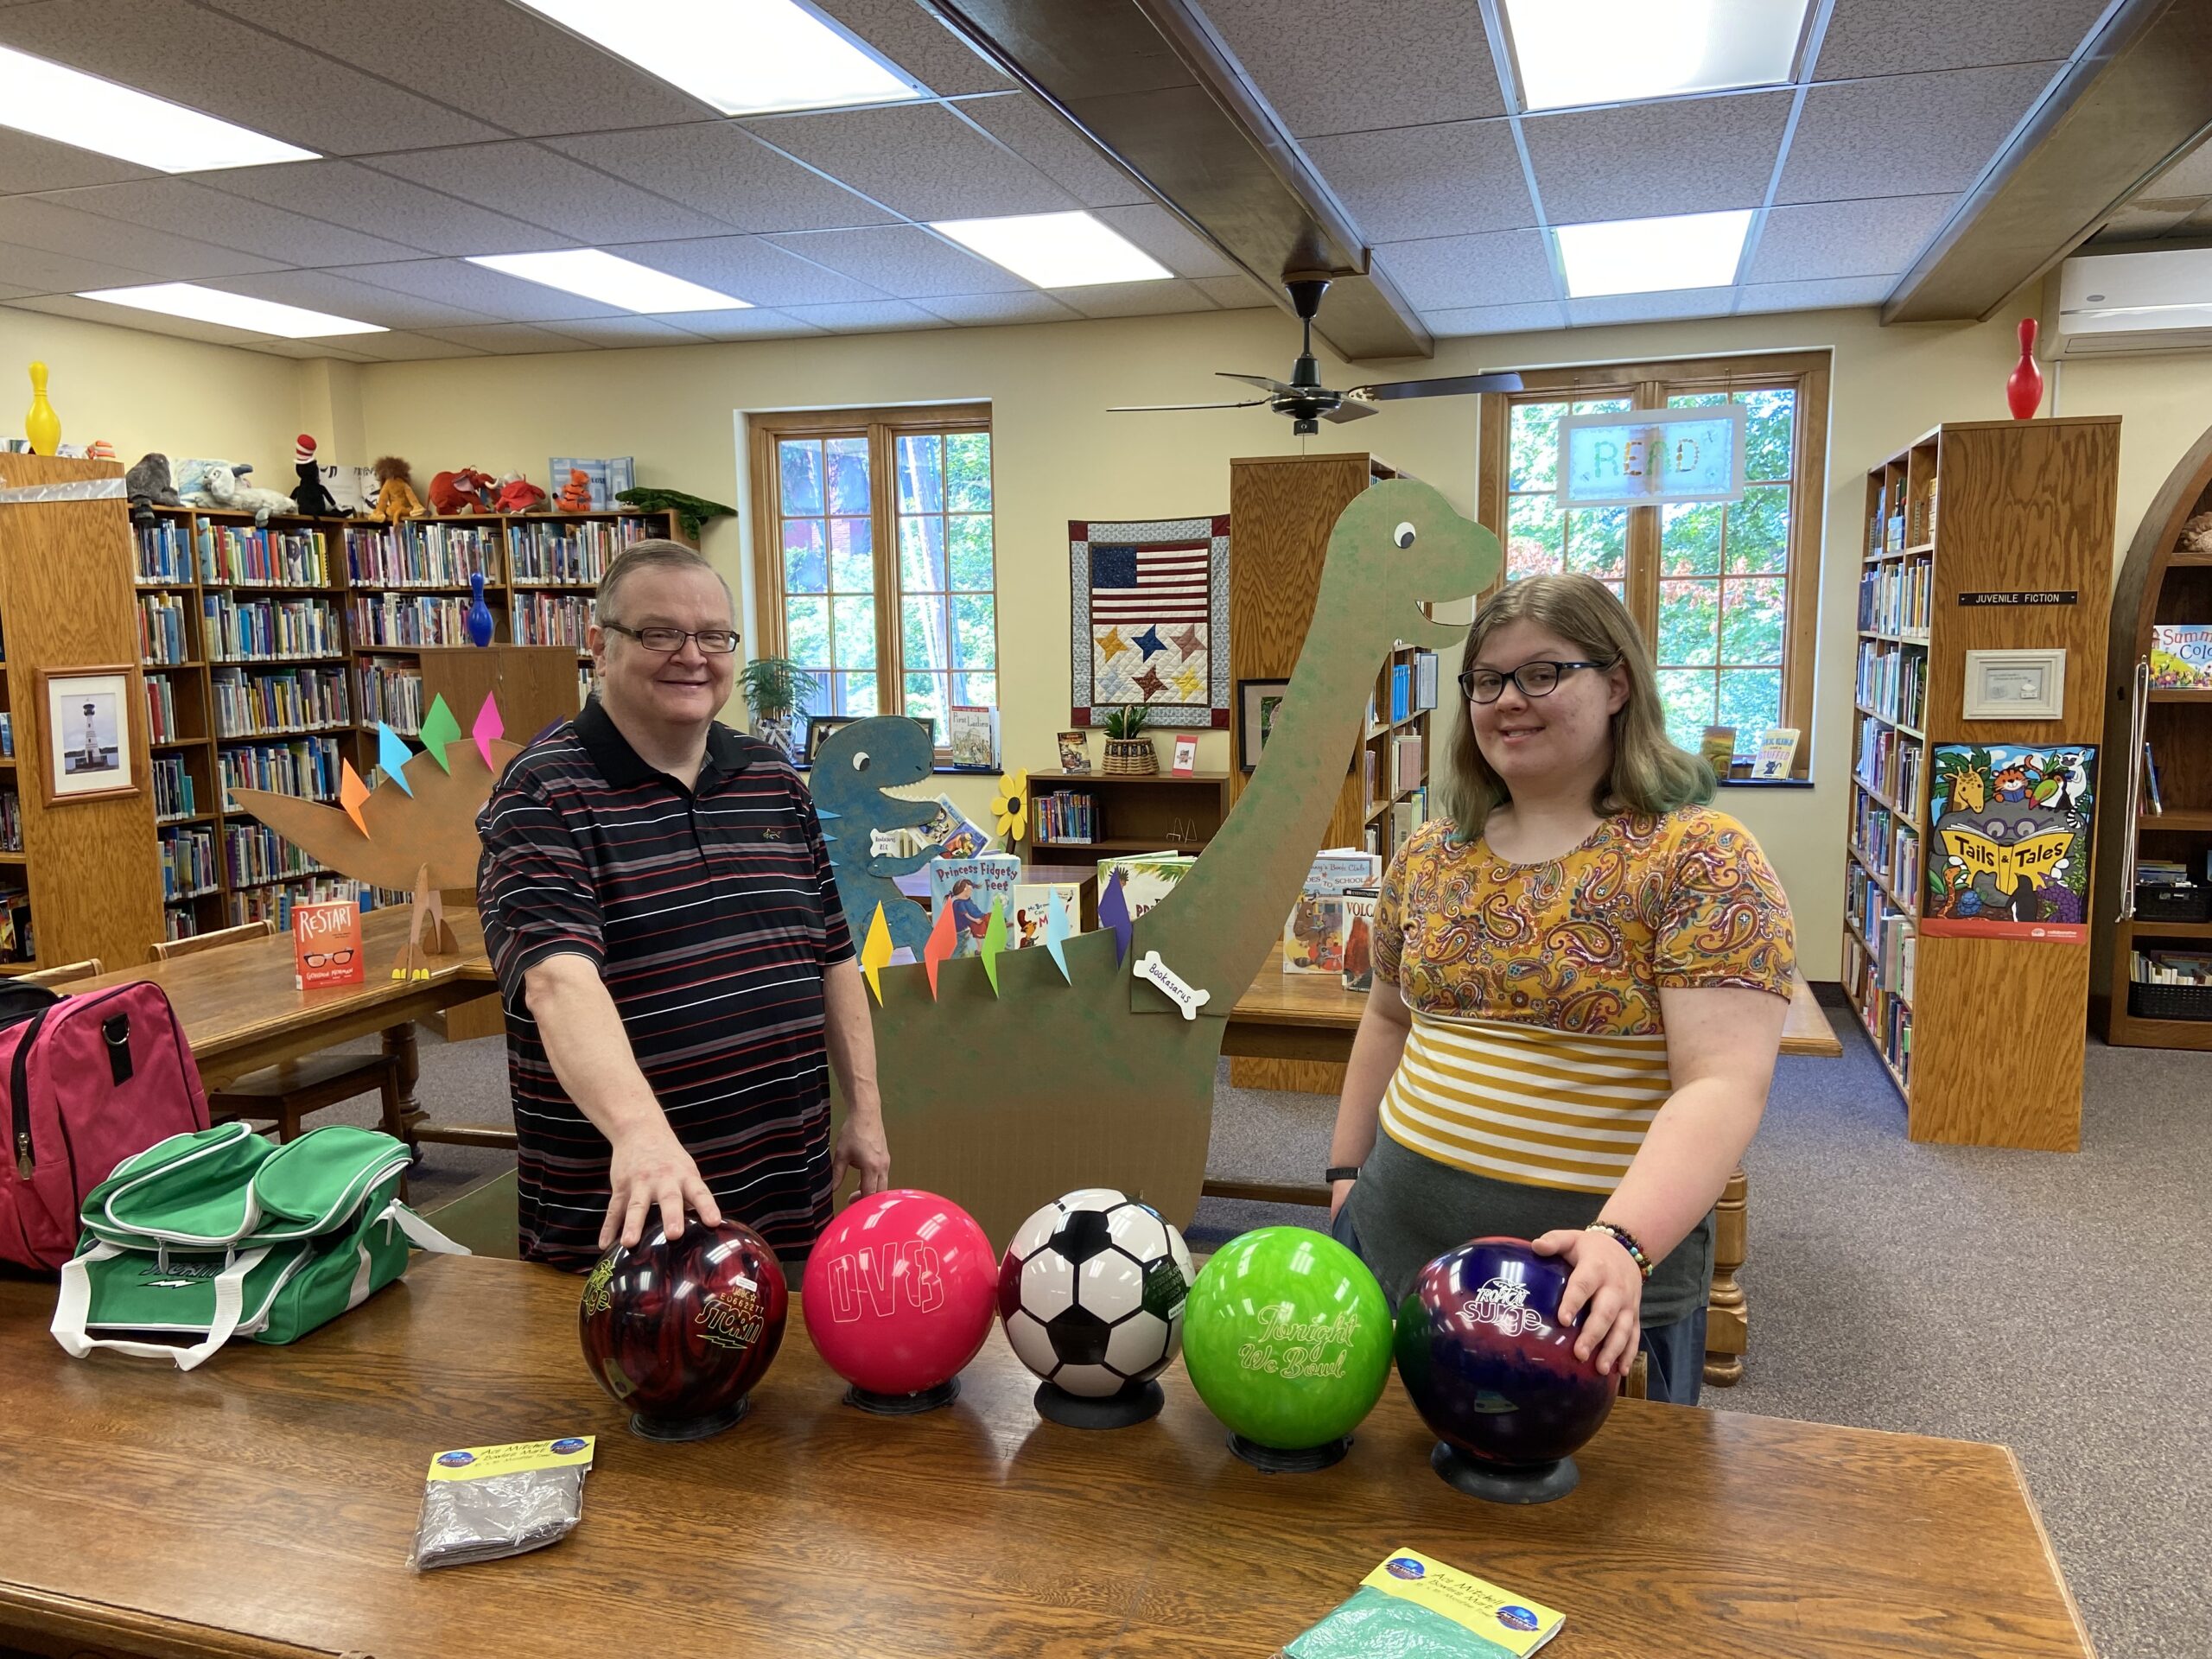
<point x="918" y="42"/>
<point x="207" y="62"/>
<point x="1351" y="66"/>
<point x="997" y="307"/>
<point x="1495" y="319"/>
<point x="757" y="323"/>
<point x="1639" y="161"/>
<point x="1025" y="125"/>
<point x="917" y="159"/>
<point x="1834" y="292"/>
<point x="2142" y="221"/>
<point x="27" y="164"/>
<point x="627" y="330"/>
<point x="1168" y="239"/>
<point x="348" y="193"/>
<point x="506" y="66"/>
<point x="1896" y="37"/>
<point x="719" y="168"/>
<point x="548" y="189"/>
<point x="2190" y="176"/>
<point x="900" y="259"/>
<point x="8" y="292"/>
<point x="1235" y="293"/>
<point x="33" y="222"/>
<point x="748" y="268"/>
<point x="507" y="338"/>
<point x="1846" y="239"/>
<point x="397" y="346"/>
<point x="1444" y="180"/>
<point x="324" y="290"/>
<point x="484" y="292"/>
<point x="1908" y="135"/>
<point x="1494" y="268"/>
<point x="868" y="316"/>
<point x="188" y="208"/>
<point x="41" y="272"/>
<point x="307" y="349"/>
<point x="1134" y="299"/>
<point x="1660" y="307"/>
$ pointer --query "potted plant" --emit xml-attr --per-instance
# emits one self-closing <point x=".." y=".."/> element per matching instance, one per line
<point x="1127" y="750"/>
<point x="777" y="691"/>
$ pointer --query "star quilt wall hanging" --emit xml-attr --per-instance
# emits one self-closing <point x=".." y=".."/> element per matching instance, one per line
<point x="1150" y="604"/>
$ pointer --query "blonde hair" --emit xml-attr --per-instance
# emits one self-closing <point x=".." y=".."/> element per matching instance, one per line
<point x="1648" y="774"/>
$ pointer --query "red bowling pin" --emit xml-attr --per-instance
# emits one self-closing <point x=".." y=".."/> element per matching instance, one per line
<point x="2023" y="391"/>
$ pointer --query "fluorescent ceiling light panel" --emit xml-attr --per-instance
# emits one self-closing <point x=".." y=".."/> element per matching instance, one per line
<point x="72" y="108"/>
<point x="1568" y="52"/>
<point x="233" y="310"/>
<point x="745" y="57"/>
<point x="1056" y="250"/>
<point x="1644" y="256"/>
<point x="611" y="281"/>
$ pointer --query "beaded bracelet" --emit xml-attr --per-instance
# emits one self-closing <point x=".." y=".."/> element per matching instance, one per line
<point x="1622" y="1236"/>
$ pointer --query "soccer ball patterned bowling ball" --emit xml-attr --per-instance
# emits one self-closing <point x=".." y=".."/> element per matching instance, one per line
<point x="900" y="1292"/>
<point x="1489" y="1366"/>
<point x="679" y="1332"/>
<point x="1091" y="1292"/>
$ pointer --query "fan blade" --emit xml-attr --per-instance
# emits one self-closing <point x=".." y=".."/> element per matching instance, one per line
<point x="1154" y="408"/>
<point x="1457" y="385"/>
<point x="1350" y="409"/>
<point x="1257" y="380"/>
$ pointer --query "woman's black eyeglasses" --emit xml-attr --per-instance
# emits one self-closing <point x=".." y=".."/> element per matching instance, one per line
<point x="1535" y="680"/>
<point x="715" y="642"/>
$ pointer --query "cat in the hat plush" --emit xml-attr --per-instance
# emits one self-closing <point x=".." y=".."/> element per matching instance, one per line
<point x="313" y="498"/>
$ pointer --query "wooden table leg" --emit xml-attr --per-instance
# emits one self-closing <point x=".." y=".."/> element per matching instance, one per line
<point x="399" y="1044"/>
<point x="1727" y="1318"/>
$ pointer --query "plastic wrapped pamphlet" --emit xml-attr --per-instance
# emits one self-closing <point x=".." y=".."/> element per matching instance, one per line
<point x="484" y="1502"/>
<point x="1412" y="1607"/>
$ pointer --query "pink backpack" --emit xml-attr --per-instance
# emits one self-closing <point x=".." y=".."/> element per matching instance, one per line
<point x="90" y="1080"/>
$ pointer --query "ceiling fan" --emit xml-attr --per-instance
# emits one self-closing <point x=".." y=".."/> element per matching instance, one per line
<point x="1308" y="403"/>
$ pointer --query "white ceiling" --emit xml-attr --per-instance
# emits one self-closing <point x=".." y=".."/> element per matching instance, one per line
<point x="521" y="137"/>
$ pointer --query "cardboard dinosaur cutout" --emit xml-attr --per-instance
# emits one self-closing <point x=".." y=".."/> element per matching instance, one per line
<point x="852" y="769"/>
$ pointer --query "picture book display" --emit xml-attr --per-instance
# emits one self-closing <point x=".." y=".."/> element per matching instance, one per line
<point x="2011" y="828"/>
<point x="1777" y="751"/>
<point x="326" y="946"/>
<point x="967" y="887"/>
<point x="1148" y="877"/>
<point x="2181" y="656"/>
<point x="950" y="830"/>
<point x="974" y="736"/>
<point x="1415" y="1604"/>
<point x="1075" y="752"/>
<point x="1030" y="909"/>
<point x="1359" y="937"/>
<point x="1186" y="757"/>
<point x="1313" y="938"/>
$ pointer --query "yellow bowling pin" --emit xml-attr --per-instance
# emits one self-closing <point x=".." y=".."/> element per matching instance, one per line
<point x="41" y="426"/>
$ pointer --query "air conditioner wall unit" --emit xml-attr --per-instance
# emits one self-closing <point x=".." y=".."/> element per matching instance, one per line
<point x="2122" y="304"/>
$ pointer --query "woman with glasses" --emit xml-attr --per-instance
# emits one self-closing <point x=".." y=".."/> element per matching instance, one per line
<point x="1581" y="975"/>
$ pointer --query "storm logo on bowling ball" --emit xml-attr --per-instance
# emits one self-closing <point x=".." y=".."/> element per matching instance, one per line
<point x="598" y="1297"/>
<point x="1504" y="1303"/>
<point x="731" y="1320"/>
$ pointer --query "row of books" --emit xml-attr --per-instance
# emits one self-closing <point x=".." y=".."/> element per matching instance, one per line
<point x="1897" y="598"/>
<point x="1890" y="764"/>
<point x="11" y="821"/>
<point x="160" y="709"/>
<point x="1871" y="824"/>
<point x="415" y="555"/>
<point x="1897" y="525"/>
<point x="264" y="630"/>
<point x="174" y="796"/>
<point x="1317" y="936"/>
<point x="188" y="866"/>
<point x="18" y="941"/>
<point x="164" y="637"/>
<point x="1065" y="816"/>
<point x="2170" y="967"/>
<point x="264" y="558"/>
<point x="392" y="692"/>
<point x="179" y="921"/>
<point x="309" y="767"/>
<point x="551" y="619"/>
<point x="1390" y="833"/>
<point x="164" y="549"/>
<point x="573" y="554"/>
<point x="1412" y="689"/>
<point x="266" y="704"/>
<point x="409" y="619"/>
<point x="973" y="889"/>
<point x="1893" y="683"/>
<point x="253" y="852"/>
<point x="253" y="904"/>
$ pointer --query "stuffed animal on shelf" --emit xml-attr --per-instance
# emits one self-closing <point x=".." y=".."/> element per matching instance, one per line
<point x="147" y="484"/>
<point x="99" y="450"/>
<point x="190" y="479"/>
<point x="315" y="501"/>
<point x="691" y="511"/>
<point x="517" y="494"/>
<point x="459" y="491"/>
<point x="2197" y="534"/>
<point x="233" y="493"/>
<point x="395" y="497"/>
<point x="576" y="494"/>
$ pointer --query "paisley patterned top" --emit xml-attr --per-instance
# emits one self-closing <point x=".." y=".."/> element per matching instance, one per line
<point x="1585" y="943"/>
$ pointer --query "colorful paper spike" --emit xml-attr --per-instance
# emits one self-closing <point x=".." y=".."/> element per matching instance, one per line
<point x="391" y="755"/>
<point x="940" y="946"/>
<point x="351" y="791"/>
<point x="439" y="728"/>
<point x="489" y="727"/>
<point x="993" y="940"/>
<point x="1057" y="932"/>
<point x="876" y="952"/>
<point x="1113" y="916"/>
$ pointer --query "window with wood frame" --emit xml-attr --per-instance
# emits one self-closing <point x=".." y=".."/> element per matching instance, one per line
<point x="1727" y="596"/>
<point x="874" y="561"/>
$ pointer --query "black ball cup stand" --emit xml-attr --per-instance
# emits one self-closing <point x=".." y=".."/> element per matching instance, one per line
<point x="1135" y="1403"/>
<point x="904" y="1405"/>
<point x="689" y="1428"/>
<point x="1273" y="1460"/>
<point x="1499" y="1483"/>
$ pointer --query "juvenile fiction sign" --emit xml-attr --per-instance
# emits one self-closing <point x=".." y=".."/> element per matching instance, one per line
<point x="1647" y="458"/>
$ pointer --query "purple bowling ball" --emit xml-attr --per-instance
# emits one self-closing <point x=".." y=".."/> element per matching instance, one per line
<point x="1490" y="1369"/>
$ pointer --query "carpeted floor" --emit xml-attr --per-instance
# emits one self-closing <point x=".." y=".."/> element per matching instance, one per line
<point x="2053" y="1303"/>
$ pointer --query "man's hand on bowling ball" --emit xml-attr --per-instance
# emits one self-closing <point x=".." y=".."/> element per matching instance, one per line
<point x="1607" y="1288"/>
<point x="650" y="1167"/>
<point x="860" y="1146"/>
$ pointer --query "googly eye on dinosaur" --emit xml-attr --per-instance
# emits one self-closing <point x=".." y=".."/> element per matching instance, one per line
<point x="1427" y="544"/>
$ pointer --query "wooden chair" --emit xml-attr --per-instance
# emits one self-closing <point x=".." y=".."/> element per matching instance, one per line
<point x="54" y="977"/>
<point x="289" y="1091"/>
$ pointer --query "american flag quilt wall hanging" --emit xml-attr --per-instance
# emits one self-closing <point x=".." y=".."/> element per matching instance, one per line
<point x="1150" y="603"/>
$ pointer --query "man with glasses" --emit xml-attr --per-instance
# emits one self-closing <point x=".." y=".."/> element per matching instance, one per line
<point x="675" y="966"/>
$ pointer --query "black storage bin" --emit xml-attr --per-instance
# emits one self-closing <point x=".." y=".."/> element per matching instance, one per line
<point x="2184" y="903"/>
<point x="2169" y="1001"/>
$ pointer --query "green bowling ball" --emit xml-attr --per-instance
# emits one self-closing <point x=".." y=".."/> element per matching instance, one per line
<point x="1287" y="1339"/>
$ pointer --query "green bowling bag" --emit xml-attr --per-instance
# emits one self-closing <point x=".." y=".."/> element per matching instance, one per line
<point x="220" y="1233"/>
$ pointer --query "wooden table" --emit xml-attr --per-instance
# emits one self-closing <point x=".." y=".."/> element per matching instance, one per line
<point x="263" y="1506"/>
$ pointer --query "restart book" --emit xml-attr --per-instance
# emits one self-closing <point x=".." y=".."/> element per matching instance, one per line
<point x="1415" y="1604"/>
<point x="326" y="946"/>
<point x="2181" y="655"/>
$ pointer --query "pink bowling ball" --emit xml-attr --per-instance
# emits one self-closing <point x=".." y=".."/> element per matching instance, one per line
<point x="899" y="1292"/>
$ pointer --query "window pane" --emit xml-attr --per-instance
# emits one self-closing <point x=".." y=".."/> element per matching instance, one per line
<point x="1689" y="539"/>
<point x="855" y="632"/>
<point x="922" y="632"/>
<point x="1771" y="423"/>
<point x="1601" y="405"/>
<point x="848" y="462"/>
<point x="1696" y="399"/>
<point x="856" y="694"/>
<point x="1687" y="696"/>
<point x="1534" y="441"/>
<point x="921" y="474"/>
<point x="974" y="636"/>
<point x="1750" y="629"/>
<point x="805" y="570"/>
<point x="921" y="554"/>
<point x="925" y="698"/>
<point x="1534" y="538"/>
<point x="976" y="690"/>
<point x="1759" y="530"/>
<point x="815" y="699"/>
<point x="852" y="556"/>
<point x="1689" y="622"/>
<point x="1751" y="700"/>
<point x="806" y="632"/>
<point x="968" y="471"/>
<point x="969" y="547"/>
<point x="1597" y="541"/>
<point x="799" y="474"/>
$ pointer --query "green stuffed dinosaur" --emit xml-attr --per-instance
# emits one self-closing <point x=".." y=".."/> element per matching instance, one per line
<point x="691" y="511"/>
<point x="854" y="766"/>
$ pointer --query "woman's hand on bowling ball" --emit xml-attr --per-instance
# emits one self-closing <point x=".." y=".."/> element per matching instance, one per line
<point x="650" y="1167"/>
<point x="1607" y="1288"/>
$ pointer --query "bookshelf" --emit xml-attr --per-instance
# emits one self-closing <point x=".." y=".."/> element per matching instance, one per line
<point x="1151" y="813"/>
<point x="1982" y="1037"/>
<point x="1393" y="755"/>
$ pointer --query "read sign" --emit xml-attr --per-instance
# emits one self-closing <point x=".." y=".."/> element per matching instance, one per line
<point x="1648" y="458"/>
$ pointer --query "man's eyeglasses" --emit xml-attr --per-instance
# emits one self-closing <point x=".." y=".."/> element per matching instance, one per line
<point x="715" y="642"/>
<point x="1535" y="680"/>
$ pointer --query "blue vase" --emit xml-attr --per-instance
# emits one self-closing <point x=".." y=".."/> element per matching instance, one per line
<point x="480" y="613"/>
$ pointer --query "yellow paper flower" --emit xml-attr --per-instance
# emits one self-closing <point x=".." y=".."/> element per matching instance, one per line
<point x="1010" y="806"/>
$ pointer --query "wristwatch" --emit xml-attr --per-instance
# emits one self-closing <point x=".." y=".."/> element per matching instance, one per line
<point x="1336" y="1172"/>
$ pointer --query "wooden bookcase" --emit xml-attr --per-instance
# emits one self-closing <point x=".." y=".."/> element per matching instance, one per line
<point x="1148" y="813"/>
<point x="1982" y="1036"/>
<point x="2160" y="582"/>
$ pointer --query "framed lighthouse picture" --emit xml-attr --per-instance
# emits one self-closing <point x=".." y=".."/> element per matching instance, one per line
<point x="92" y="739"/>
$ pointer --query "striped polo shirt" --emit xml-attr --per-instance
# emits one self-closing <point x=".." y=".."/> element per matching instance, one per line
<point x="711" y="915"/>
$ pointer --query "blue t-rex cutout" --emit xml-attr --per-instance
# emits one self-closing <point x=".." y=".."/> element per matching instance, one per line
<point x="854" y="766"/>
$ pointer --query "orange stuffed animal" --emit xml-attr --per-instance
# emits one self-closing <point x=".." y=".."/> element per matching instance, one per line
<point x="576" y="494"/>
